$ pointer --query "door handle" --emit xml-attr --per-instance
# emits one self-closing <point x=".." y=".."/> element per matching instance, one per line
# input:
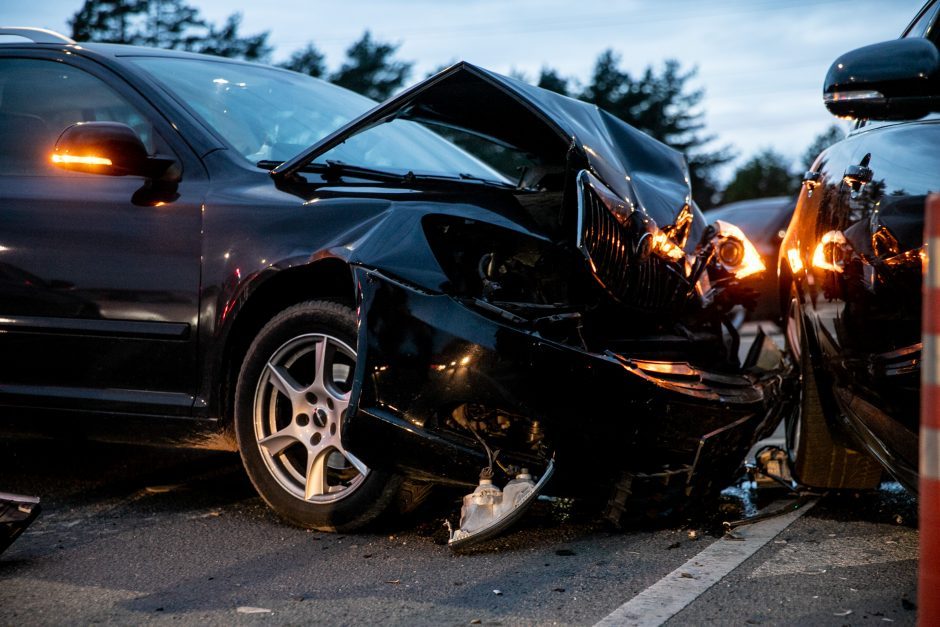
<point x="857" y="175"/>
<point x="811" y="179"/>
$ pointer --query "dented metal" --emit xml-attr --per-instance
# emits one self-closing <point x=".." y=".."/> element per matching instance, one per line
<point x="581" y="316"/>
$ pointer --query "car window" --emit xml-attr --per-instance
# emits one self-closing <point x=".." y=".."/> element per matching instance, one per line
<point x="924" y="25"/>
<point x="267" y="114"/>
<point x="40" y="99"/>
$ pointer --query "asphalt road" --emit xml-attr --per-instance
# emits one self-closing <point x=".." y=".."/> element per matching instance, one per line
<point x="134" y="535"/>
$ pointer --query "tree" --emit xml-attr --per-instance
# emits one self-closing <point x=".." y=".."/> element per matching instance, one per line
<point x="553" y="81"/>
<point x="822" y="141"/>
<point x="169" y="24"/>
<point x="227" y="42"/>
<point x="308" y="60"/>
<point x="371" y="70"/>
<point x="107" y="21"/>
<point x="765" y="174"/>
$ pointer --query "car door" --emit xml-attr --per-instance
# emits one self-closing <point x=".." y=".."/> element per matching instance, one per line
<point x="99" y="275"/>
<point x="881" y="321"/>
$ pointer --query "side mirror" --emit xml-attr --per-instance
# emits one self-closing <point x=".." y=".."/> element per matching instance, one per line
<point x="893" y="80"/>
<point x="108" y="148"/>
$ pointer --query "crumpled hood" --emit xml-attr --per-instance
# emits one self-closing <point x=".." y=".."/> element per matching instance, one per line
<point x="539" y="122"/>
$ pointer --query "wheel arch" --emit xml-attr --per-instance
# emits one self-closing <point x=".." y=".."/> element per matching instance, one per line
<point x="329" y="278"/>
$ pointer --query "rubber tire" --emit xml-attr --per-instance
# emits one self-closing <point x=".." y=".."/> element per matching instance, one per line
<point x="374" y="495"/>
<point x="818" y="457"/>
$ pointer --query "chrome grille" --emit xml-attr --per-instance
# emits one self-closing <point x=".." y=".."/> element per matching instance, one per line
<point x="649" y="284"/>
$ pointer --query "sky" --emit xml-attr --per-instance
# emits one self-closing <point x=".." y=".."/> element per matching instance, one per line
<point x="760" y="62"/>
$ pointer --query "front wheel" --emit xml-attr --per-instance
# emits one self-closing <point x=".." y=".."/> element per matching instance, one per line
<point x="818" y="457"/>
<point x="292" y="394"/>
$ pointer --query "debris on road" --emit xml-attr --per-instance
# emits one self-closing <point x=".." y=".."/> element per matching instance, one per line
<point x="162" y="489"/>
<point x="17" y="512"/>
<point x="488" y="510"/>
<point x="247" y="609"/>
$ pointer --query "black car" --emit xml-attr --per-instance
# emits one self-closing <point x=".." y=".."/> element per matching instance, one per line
<point x="764" y="222"/>
<point x="364" y="310"/>
<point x="851" y="266"/>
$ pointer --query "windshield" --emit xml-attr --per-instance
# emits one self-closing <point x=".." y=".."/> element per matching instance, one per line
<point x="267" y="114"/>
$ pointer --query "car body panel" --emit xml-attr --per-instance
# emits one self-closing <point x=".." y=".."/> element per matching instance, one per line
<point x="119" y="288"/>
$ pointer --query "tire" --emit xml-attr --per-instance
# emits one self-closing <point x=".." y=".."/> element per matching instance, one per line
<point x="288" y="421"/>
<point x="818" y="457"/>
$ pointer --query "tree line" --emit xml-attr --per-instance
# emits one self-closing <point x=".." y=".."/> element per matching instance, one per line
<point x="658" y="101"/>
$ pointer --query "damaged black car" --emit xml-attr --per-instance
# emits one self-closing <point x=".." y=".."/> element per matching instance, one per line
<point x="476" y="283"/>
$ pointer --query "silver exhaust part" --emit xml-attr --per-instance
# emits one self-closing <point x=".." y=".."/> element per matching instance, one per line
<point x="488" y="511"/>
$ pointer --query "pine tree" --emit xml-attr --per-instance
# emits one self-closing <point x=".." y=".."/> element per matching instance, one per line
<point x="371" y="70"/>
<point x="308" y="60"/>
<point x="170" y="24"/>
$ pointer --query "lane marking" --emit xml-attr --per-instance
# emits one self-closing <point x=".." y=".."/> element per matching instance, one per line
<point x="671" y="594"/>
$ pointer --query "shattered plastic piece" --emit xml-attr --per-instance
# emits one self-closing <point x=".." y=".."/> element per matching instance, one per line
<point x="842" y="613"/>
<point x="161" y="489"/>
<point x="247" y="609"/>
<point x="16" y="514"/>
<point x="488" y="510"/>
<point x="498" y="593"/>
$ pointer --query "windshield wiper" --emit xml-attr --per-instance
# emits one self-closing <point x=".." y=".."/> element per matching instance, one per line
<point x="332" y="170"/>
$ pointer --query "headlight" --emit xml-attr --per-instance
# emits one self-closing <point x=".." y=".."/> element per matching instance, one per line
<point x="735" y="252"/>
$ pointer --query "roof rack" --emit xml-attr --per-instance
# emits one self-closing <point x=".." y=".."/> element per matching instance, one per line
<point x="36" y="35"/>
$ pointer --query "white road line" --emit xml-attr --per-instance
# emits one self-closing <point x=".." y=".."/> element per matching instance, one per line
<point x="671" y="594"/>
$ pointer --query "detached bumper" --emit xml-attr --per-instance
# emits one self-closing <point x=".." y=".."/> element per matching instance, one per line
<point x="421" y="355"/>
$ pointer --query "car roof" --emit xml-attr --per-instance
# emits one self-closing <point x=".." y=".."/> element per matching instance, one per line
<point x="124" y="50"/>
<point x="46" y="39"/>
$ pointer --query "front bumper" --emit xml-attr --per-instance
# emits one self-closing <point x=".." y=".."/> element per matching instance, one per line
<point x="421" y="355"/>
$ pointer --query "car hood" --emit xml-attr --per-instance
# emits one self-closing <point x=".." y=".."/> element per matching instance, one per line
<point x="543" y="124"/>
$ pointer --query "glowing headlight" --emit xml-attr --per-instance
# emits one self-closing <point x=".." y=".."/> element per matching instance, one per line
<point x="736" y="252"/>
